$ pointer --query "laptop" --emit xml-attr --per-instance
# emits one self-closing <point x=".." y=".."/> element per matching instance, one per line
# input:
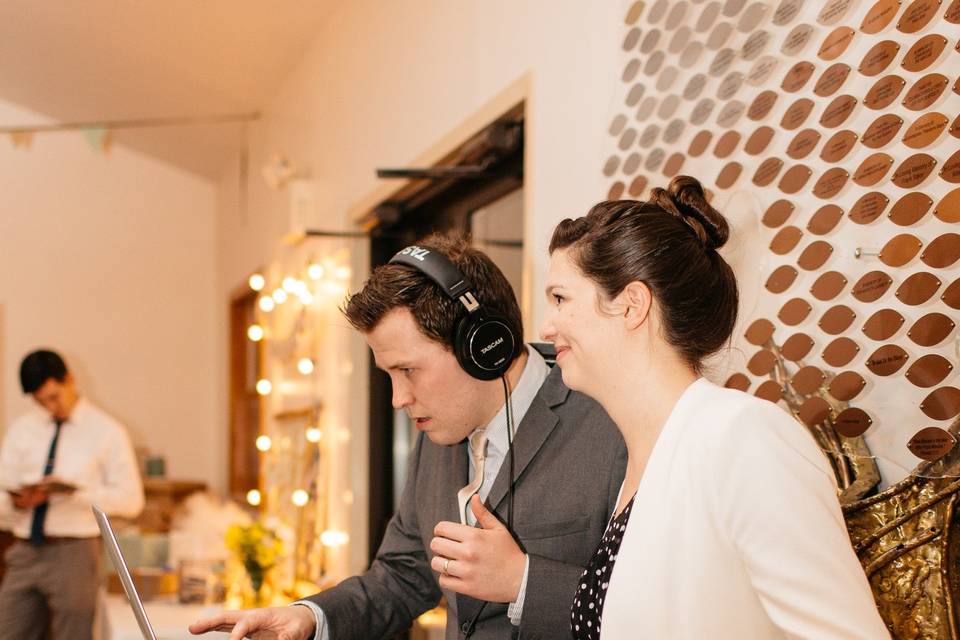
<point x="113" y="550"/>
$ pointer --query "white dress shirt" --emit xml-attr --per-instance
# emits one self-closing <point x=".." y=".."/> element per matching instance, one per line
<point x="736" y="533"/>
<point x="534" y="373"/>
<point x="93" y="453"/>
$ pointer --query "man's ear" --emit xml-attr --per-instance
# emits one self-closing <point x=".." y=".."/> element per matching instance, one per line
<point x="637" y="300"/>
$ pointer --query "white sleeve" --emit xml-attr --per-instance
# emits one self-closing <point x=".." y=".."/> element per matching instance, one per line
<point x="515" y="609"/>
<point x="120" y="490"/>
<point x="776" y="496"/>
<point x="322" y="632"/>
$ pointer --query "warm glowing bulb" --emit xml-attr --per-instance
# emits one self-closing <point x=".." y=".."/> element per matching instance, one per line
<point x="331" y="538"/>
<point x="289" y="284"/>
<point x="257" y="282"/>
<point x="315" y="271"/>
<point x="255" y="332"/>
<point x="343" y="273"/>
<point x="253" y="498"/>
<point x="279" y="296"/>
<point x="300" y="497"/>
<point x="306" y="298"/>
<point x="267" y="304"/>
<point x="314" y="434"/>
<point x="305" y="366"/>
<point x="264" y="387"/>
<point x="264" y="443"/>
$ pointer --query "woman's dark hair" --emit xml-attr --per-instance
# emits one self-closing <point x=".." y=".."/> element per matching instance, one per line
<point x="670" y="244"/>
<point x="40" y="366"/>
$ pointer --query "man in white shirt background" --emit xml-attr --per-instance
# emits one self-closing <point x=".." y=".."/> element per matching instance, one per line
<point x="54" y="464"/>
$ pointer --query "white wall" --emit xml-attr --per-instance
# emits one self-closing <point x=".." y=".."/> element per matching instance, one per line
<point x="109" y="258"/>
<point x="384" y="81"/>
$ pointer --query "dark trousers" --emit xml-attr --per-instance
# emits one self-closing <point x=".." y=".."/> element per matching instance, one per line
<point x="50" y="591"/>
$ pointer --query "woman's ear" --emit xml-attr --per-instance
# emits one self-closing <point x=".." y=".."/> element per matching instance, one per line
<point x="637" y="299"/>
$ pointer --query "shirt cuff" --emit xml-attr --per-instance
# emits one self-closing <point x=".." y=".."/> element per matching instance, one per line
<point x="515" y="610"/>
<point x="321" y="632"/>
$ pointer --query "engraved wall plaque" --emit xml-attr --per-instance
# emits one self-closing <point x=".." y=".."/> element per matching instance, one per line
<point x="630" y="70"/>
<point x="786" y="240"/>
<point x="797" y="76"/>
<point x="833" y="11"/>
<point x="806" y="381"/>
<point x="882" y="130"/>
<point x="868" y="207"/>
<point x="879" y="16"/>
<point x="691" y="54"/>
<point x="928" y="371"/>
<point x="636" y="92"/>
<point x="674" y="164"/>
<point x="925" y="92"/>
<point x="796" y="114"/>
<point x="873" y="169"/>
<point x="942" y="404"/>
<point x="948" y="209"/>
<point x="837" y="319"/>
<point x="611" y="165"/>
<point x="836" y="43"/>
<point x="733" y="7"/>
<point x="738" y="381"/>
<point x="879" y="57"/>
<point x="729" y="174"/>
<point x="852" y="422"/>
<point x="777" y="213"/>
<point x="752" y="17"/>
<point x="931" y="329"/>
<point x="825" y="219"/>
<point x="637" y="186"/>
<point x="797" y="40"/>
<point x="707" y="17"/>
<point x="815" y="255"/>
<point x="887" y="360"/>
<point x="781" y="279"/>
<point x="754" y="45"/>
<point x="731" y="113"/>
<point x="951" y="168"/>
<point x="828" y="286"/>
<point x="955" y="127"/>
<point x="668" y="107"/>
<point x="925" y="130"/>
<point x="924" y="52"/>
<point x="631" y="164"/>
<point x="786" y="11"/>
<point x="633" y="13"/>
<point x="838" y="146"/>
<point x="761" y="363"/>
<point x="699" y="143"/>
<point x="679" y="40"/>
<point x="883" y="324"/>
<point x="769" y="390"/>
<point x="666" y="79"/>
<point x="674" y="130"/>
<point x="883" y="93"/>
<point x="721" y="62"/>
<point x="796" y="347"/>
<point x="803" y="144"/>
<point x="837" y="111"/>
<point x="830" y="183"/>
<point x="846" y="386"/>
<point x="727" y="144"/>
<point x="767" y="171"/>
<point x="831" y="80"/>
<point x="942" y="252"/>
<point x="840" y="352"/>
<point x="762" y="69"/>
<point x="917" y="15"/>
<point x="627" y="139"/>
<point x="758" y="140"/>
<point x="694" y="87"/>
<point x="900" y="250"/>
<point x="650" y="41"/>
<point x="871" y="286"/>
<point x="762" y="105"/>
<point x="657" y="11"/>
<point x="795" y="178"/>
<point x="913" y="170"/>
<point x="910" y="208"/>
<point x="794" y="311"/>
<point x="675" y="17"/>
<point x="730" y="85"/>
<point x="646" y="109"/>
<point x="631" y="39"/>
<point x="952" y="14"/>
<point x="759" y="332"/>
<point x="918" y="288"/>
<point x="654" y="63"/>
<point x="617" y="124"/>
<point x="702" y="111"/>
<point x="649" y="136"/>
<point x="931" y="443"/>
<point x="616" y="191"/>
<point x="655" y="159"/>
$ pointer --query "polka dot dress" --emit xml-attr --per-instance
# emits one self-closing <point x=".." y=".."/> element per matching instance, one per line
<point x="588" y="601"/>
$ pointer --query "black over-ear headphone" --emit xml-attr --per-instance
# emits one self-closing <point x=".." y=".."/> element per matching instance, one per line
<point x="482" y="343"/>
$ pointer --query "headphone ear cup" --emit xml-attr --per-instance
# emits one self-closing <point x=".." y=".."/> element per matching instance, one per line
<point x="484" y="346"/>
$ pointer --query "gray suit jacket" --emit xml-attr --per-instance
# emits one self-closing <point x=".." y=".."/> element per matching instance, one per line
<point x="569" y="463"/>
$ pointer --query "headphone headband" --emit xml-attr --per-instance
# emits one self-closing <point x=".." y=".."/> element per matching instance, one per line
<point x="441" y="270"/>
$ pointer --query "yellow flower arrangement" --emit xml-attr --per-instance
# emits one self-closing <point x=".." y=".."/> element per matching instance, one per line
<point x="258" y="548"/>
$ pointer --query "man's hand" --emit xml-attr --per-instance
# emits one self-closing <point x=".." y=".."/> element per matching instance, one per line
<point x="282" y="623"/>
<point x="482" y="563"/>
<point x="28" y="497"/>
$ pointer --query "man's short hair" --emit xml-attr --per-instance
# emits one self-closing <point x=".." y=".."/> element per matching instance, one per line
<point x="393" y="286"/>
<point x="40" y="366"/>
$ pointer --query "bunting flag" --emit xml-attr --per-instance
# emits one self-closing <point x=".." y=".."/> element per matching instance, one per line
<point x="21" y="139"/>
<point x="98" y="138"/>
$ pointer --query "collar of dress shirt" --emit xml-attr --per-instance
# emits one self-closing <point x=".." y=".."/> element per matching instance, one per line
<point x="534" y="373"/>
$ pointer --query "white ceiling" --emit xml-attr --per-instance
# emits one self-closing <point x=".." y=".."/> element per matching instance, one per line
<point x="94" y="60"/>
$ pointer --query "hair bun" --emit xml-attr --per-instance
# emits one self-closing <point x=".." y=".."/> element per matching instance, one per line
<point x="684" y="197"/>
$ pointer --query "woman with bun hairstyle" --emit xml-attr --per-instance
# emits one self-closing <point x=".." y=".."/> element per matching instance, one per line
<point x="728" y="524"/>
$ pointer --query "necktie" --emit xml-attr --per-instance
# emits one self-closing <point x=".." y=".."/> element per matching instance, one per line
<point x="477" y="449"/>
<point x="40" y="511"/>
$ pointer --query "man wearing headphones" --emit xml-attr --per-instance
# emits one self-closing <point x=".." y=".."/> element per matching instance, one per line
<point x="511" y="482"/>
